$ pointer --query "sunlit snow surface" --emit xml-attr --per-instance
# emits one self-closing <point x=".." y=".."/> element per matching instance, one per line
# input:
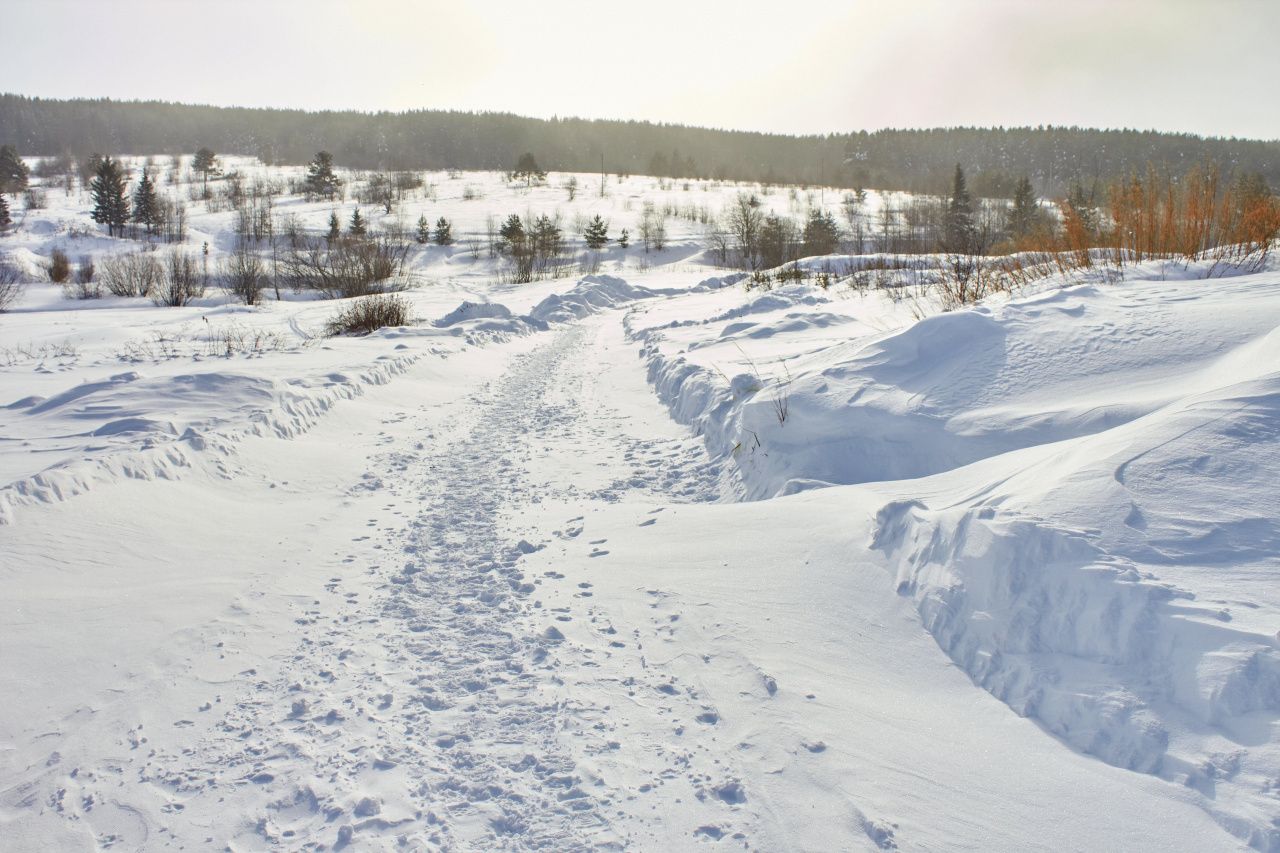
<point x="638" y="559"/>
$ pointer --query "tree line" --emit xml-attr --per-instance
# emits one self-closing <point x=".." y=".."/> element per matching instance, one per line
<point x="913" y="160"/>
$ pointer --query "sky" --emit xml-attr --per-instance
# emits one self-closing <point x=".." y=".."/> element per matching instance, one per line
<point x="798" y="66"/>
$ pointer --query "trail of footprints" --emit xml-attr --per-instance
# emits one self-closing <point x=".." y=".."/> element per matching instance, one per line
<point x="434" y="713"/>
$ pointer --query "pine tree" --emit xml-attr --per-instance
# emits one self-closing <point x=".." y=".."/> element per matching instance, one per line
<point x="110" y="197"/>
<point x="1025" y="210"/>
<point x="13" y="172"/>
<point x="321" y="181"/>
<point x="357" y="227"/>
<point x="596" y="233"/>
<point x="5" y="220"/>
<point x="444" y="232"/>
<point x="624" y="239"/>
<point x="960" y="232"/>
<point x="424" y="230"/>
<point x="146" y="208"/>
<point x="821" y="234"/>
<point x="206" y="162"/>
<point x="512" y="234"/>
<point x="528" y="170"/>
<point x="335" y="227"/>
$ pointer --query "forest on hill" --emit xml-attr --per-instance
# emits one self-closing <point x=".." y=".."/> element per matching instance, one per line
<point x="1054" y="158"/>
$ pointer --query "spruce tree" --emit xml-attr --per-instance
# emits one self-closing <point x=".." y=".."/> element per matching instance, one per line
<point x="959" y="237"/>
<point x="1022" y="217"/>
<point x="624" y="239"/>
<point x="205" y="162"/>
<point x="146" y="208"/>
<point x="596" y="233"/>
<point x="13" y="172"/>
<point x="821" y="234"/>
<point x="424" y="230"/>
<point x="110" y="196"/>
<point x="357" y="227"/>
<point x="321" y="181"/>
<point x="5" y="219"/>
<point x="335" y="227"/>
<point x="444" y="232"/>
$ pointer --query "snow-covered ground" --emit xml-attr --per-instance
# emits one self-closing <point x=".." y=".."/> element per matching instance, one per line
<point x="639" y="559"/>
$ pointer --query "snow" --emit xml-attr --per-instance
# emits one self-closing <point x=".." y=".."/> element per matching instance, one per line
<point x="638" y="557"/>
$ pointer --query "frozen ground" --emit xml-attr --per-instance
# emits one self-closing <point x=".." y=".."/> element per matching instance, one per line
<point x="645" y="561"/>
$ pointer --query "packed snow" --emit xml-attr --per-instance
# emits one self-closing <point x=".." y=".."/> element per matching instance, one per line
<point x="638" y="557"/>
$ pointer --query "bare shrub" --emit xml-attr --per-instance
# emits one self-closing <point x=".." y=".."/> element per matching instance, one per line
<point x="245" y="276"/>
<point x="368" y="314"/>
<point x="131" y="274"/>
<point x="84" y="286"/>
<point x="59" y="267"/>
<point x="12" y="282"/>
<point x="181" y="281"/>
<point x="347" y="267"/>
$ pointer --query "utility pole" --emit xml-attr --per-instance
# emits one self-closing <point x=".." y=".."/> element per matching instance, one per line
<point x="601" y="174"/>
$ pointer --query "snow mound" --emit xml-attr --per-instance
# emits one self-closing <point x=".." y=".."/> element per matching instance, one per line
<point x="474" y="311"/>
<point x="590" y="295"/>
<point x="775" y="300"/>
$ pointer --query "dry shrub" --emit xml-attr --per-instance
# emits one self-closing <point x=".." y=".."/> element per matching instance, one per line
<point x="12" y="282"/>
<point x="347" y="267"/>
<point x="84" y="286"/>
<point x="131" y="274"/>
<point x="59" y="267"/>
<point x="368" y="314"/>
<point x="245" y="276"/>
<point x="181" y="281"/>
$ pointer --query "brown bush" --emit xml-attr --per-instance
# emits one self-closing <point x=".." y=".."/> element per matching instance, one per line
<point x="368" y="314"/>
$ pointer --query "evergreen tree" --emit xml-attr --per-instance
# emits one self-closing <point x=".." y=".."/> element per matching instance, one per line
<point x="424" y="230"/>
<point x="527" y="169"/>
<point x="821" y="234"/>
<point x="5" y="220"/>
<point x="13" y="172"/>
<point x="512" y="234"/>
<point x="146" y="208"/>
<point x="596" y="233"/>
<point x="357" y="227"/>
<point x="444" y="232"/>
<point x="335" y="227"/>
<point x="1025" y="210"/>
<point x="624" y="239"/>
<point x="960" y="231"/>
<point x="206" y="162"/>
<point x="321" y="181"/>
<point x="1085" y="206"/>
<point x="110" y="196"/>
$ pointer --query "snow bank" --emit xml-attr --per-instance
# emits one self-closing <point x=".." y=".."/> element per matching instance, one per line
<point x="129" y="425"/>
<point x="1081" y="502"/>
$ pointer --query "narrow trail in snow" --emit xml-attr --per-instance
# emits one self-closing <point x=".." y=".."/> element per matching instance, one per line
<point x="434" y="714"/>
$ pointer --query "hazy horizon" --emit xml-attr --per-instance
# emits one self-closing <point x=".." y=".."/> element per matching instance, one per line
<point x="826" y="67"/>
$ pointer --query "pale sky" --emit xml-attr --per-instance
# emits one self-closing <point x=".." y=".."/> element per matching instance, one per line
<point x="790" y="66"/>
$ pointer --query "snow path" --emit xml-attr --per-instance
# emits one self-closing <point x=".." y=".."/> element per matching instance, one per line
<point x="435" y="709"/>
